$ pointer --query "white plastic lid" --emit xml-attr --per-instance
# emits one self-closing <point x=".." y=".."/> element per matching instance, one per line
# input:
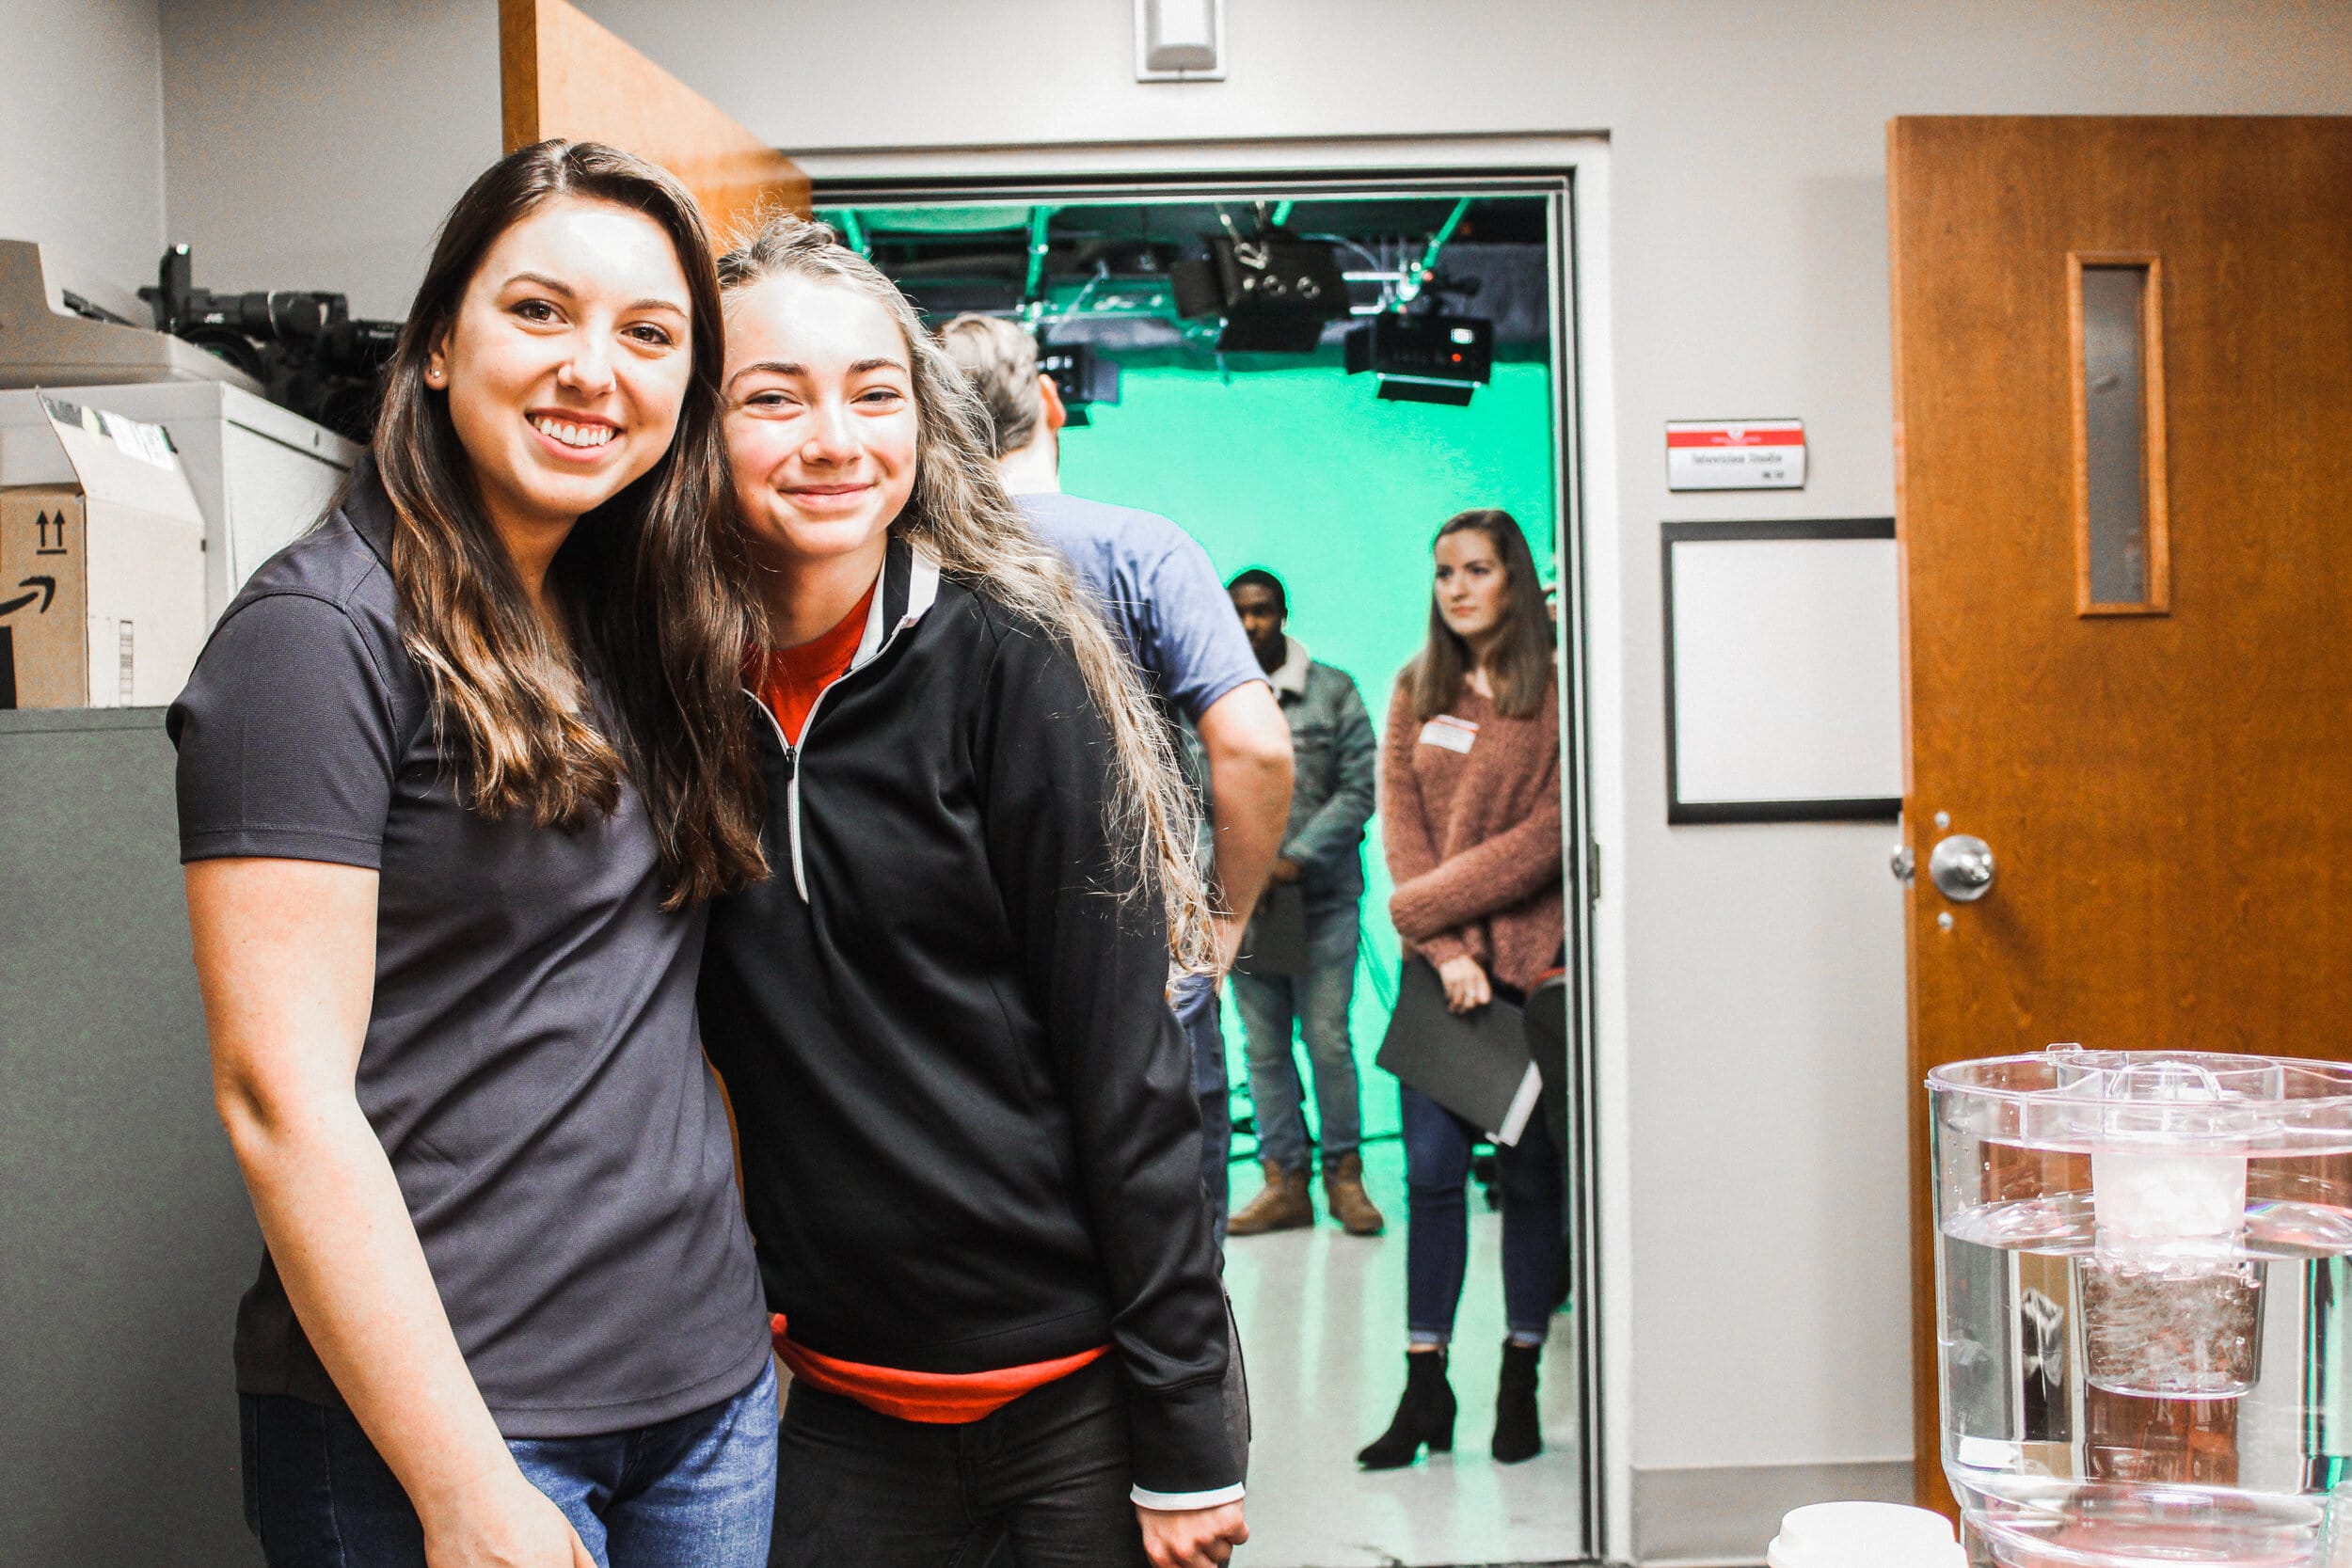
<point x="1864" y="1535"/>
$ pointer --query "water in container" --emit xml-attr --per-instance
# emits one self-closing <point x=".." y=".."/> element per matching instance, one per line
<point x="2144" y="1286"/>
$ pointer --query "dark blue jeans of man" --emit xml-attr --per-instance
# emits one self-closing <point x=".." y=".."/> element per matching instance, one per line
<point x="1047" y="1477"/>
<point x="1437" y="1243"/>
<point x="697" y="1492"/>
<point x="1199" y="1014"/>
<point x="1217" y="1144"/>
<point x="1318" y="1002"/>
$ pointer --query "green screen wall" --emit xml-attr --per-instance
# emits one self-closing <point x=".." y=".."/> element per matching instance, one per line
<point x="1303" y="472"/>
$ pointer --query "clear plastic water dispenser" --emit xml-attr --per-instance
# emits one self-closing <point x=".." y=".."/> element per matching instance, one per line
<point x="2144" y="1307"/>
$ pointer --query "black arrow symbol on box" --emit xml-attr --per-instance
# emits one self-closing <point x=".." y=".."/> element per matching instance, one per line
<point x="48" y="592"/>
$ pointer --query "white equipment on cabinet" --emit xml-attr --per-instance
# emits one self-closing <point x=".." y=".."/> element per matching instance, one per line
<point x="41" y="345"/>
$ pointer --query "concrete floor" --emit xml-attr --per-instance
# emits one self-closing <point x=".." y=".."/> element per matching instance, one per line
<point x="1321" y="1317"/>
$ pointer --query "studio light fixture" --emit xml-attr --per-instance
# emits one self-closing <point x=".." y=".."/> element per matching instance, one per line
<point x="1277" y="291"/>
<point x="1424" y="358"/>
<point x="1081" y="377"/>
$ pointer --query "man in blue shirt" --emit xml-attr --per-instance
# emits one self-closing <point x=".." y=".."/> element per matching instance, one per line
<point x="1163" y="596"/>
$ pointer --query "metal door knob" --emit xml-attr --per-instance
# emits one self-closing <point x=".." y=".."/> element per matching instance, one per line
<point x="1961" y="868"/>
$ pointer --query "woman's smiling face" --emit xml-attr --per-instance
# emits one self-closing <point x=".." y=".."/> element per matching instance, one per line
<point x="568" y="359"/>
<point x="821" y="418"/>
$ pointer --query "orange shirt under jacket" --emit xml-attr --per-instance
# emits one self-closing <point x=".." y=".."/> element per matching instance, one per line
<point x="794" y="678"/>
<point x="935" y="1398"/>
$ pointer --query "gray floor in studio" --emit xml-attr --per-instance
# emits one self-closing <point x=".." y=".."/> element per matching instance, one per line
<point x="1323" y="1318"/>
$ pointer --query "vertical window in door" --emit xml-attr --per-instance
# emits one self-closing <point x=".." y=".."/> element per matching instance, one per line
<point x="2121" y="562"/>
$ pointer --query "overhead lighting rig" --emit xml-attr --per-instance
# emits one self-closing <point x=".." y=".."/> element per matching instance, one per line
<point x="1276" y="291"/>
<point x="1259" y="285"/>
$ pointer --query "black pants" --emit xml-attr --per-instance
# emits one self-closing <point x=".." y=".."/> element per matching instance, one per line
<point x="1048" y="1474"/>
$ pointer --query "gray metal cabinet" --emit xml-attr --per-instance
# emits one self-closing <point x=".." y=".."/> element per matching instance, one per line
<point x="125" y="1235"/>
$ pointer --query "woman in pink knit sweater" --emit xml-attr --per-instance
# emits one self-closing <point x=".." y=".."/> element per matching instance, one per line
<point x="1470" y="796"/>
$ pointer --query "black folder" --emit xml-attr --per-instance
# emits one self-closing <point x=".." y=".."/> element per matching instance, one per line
<point x="1475" y="1065"/>
<point x="1275" y="939"/>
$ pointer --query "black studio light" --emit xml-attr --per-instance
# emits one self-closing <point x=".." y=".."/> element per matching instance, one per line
<point x="1081" y="375"/>
<point x="1424" y="358"/>
<point x="1277" y="291"/>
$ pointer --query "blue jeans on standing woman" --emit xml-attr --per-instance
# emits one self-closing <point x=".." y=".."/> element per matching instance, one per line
<point x="696" y="1492"/>
<point x="1319" y="1001"/>
<point x="1437" y="1247"/>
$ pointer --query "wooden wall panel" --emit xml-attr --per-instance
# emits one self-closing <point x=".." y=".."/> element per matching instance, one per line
<point x="564" y="74"/>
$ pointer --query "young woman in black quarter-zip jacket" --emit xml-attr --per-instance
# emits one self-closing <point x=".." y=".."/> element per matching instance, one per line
<point x="969" y="1143"/>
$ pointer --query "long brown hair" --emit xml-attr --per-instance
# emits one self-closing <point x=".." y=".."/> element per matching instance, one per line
<point x="655" y="582"/>
<point x="960" y="513"/>
<point x="1519" y="666"/>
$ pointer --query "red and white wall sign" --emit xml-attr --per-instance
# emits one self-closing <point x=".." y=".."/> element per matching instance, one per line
<point x="1734" y="454"/>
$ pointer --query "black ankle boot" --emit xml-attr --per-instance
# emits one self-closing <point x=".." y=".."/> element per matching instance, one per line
<point x="1425" y="1414"/>
<point x="1518" y="1430"/>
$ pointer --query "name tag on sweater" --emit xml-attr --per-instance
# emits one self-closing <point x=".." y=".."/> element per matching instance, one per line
<point x="1454" y="735"/>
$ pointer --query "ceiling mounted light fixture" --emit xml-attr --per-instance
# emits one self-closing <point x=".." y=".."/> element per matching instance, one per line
<point x="1423" y="359"/>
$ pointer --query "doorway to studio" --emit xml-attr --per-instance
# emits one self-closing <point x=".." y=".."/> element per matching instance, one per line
<point x="1431" y="371"/>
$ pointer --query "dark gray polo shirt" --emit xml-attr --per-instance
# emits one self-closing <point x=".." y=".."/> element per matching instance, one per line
<point x="531" y="1062"/>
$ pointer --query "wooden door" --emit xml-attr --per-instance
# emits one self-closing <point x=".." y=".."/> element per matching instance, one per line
<point x="2124" y="415"/>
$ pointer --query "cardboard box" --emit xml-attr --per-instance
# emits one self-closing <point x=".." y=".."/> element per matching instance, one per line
<point x="101" y="563"/>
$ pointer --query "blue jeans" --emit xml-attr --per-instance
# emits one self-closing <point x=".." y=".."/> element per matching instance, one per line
<point x="1319" y="1002"/>
<point x="1216" y="1142"/>
<point x="1198" y="1013"/>
<point x="697" y="1492"/>
<point x="1437" y="1240"/>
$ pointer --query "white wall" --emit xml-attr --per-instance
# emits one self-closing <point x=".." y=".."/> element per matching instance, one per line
<point x="1765" y="1036"/>
<point x="315" y="144"/>
<point x="81" y="142"/>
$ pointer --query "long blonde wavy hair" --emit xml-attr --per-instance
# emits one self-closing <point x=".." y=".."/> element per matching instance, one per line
<point x="959" y="512"/>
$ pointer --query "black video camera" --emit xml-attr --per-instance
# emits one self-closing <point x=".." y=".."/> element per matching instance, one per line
<point x="306" y="348"/>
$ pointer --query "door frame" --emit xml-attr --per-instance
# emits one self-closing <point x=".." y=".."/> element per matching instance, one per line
<point x="1572" y="170"/>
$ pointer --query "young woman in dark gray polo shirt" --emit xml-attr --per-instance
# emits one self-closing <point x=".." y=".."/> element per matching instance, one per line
<point x="458" y="771"/>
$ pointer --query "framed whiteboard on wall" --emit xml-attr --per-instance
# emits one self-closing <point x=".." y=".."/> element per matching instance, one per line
<point x="1784" y="672"/>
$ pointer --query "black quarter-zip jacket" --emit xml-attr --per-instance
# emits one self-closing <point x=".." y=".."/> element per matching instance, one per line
<point x="969" y="1137"/>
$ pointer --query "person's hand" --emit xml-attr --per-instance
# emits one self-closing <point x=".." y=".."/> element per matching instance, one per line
<point x="1285" y="870"/>
<point x="1192" y="1537"/>
<point x="500" y="1520"/>
<point x="1466" y="986"/>
<point x="1229" y="935"/>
